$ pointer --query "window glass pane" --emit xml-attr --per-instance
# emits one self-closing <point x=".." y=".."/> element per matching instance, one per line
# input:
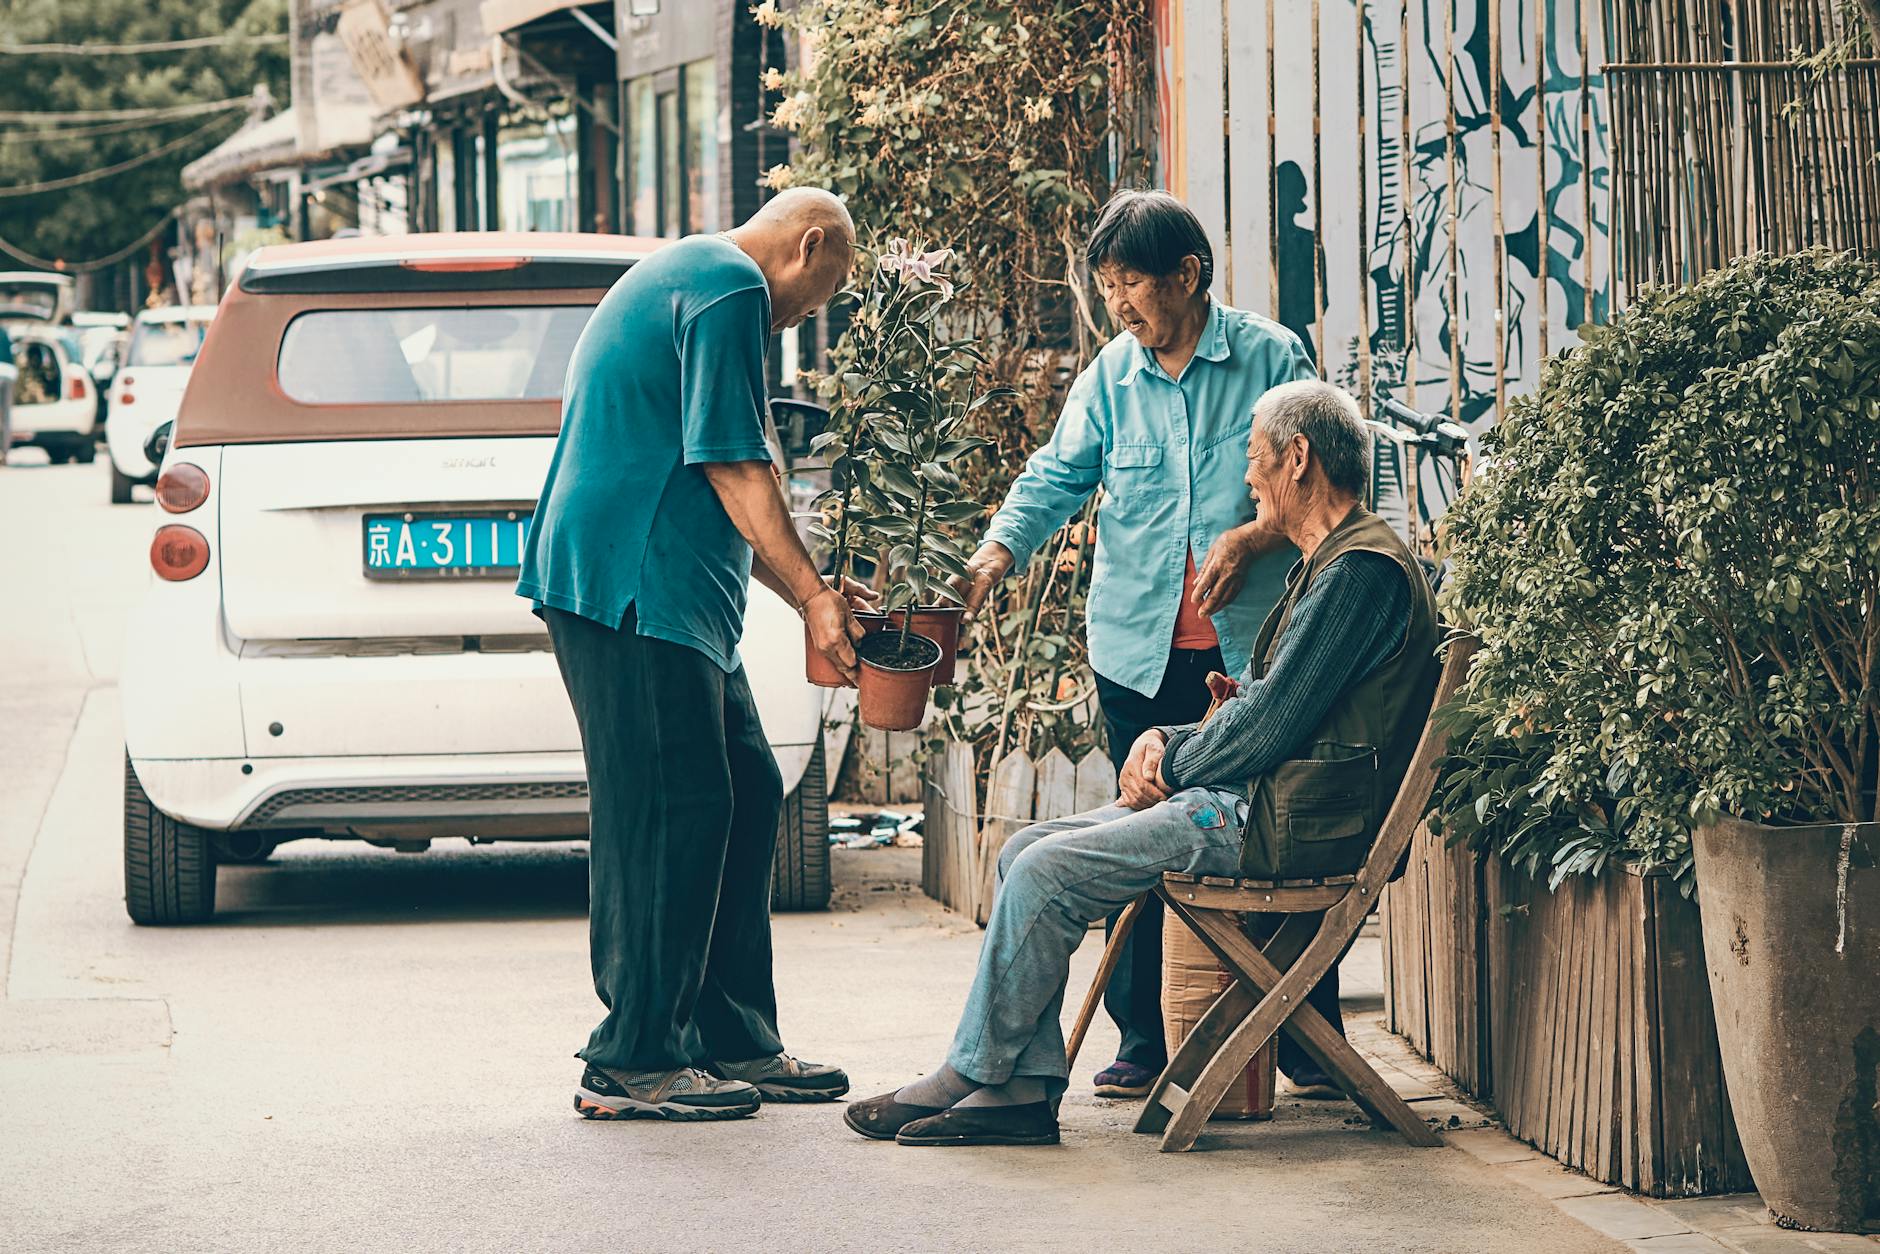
<point x="701" y="146"/>
<point x="446" y="181"/>
<point x="642" y="159"/>
<point x="166" y="343"/>
<point x="538" y="171"/>
<point x="415" y="356"/>
<point x="669" y="189"/>
<point x="485" y="216"/>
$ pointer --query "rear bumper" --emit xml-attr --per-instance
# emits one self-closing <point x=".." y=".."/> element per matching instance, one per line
<point x="495" y="795"/>
<point x="48" y="434"/>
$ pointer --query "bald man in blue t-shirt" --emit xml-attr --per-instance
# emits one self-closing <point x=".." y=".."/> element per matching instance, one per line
<point x="661" y="504"/>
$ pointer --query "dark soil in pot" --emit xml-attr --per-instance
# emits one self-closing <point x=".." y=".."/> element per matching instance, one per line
<point x="896" y="675"/>
<point x="941" y="624"/>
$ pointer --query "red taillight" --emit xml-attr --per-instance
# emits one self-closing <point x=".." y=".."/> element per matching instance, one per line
<point x="466" y="265"/>
<point x="178" y="552"/>
<point x="182" y="488"/>
<point x="77" y="391"/>
<point x="125" y="380"/>
<point x="125" y="398"/>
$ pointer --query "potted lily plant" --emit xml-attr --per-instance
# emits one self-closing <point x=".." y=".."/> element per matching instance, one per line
<point x="905" y="391"/>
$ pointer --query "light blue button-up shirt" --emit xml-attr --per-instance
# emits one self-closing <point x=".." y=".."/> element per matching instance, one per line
<point x="1171" y="457"/>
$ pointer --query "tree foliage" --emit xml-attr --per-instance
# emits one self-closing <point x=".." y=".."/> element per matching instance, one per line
<point x="97" y="218"/>
<point x="999" y="126"/>
<point x="1674" y="565"/>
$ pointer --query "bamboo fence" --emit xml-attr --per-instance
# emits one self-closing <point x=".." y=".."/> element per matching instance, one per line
<point x="1726" y="144"/>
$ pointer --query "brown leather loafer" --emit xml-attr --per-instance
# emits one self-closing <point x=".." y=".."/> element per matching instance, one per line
<point x="879" y="1118"/>
<point x="1029" y="1124"/>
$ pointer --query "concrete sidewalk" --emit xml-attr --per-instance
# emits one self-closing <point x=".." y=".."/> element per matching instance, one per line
<point x="372" y="1051"/>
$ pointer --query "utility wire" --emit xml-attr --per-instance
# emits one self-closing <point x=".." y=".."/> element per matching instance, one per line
<point x="99" y="128"/>
<point x="103" y="115"/>
<point x="113" y="50"/>
<point x="92" y="176"/>
<point x="97" y="263"/>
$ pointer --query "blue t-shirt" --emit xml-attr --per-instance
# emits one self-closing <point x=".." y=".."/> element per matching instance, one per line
<point x="669" y="374"/>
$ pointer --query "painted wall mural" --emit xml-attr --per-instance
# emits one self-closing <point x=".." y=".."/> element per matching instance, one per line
<point x="1350" y="142"/>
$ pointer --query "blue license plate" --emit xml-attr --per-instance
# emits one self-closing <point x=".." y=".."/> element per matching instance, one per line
<point x="445" y="546"/>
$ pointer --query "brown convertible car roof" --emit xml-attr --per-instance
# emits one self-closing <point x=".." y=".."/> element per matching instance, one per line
<point x="234" y="395"/>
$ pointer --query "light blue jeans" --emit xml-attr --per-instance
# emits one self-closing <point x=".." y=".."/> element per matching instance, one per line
<point x="1055" y="880"/>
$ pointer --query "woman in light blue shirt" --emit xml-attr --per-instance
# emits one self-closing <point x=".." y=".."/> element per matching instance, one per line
<point x="1184" y="573"/>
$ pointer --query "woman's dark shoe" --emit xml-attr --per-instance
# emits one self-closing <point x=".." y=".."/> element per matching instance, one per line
<point x="1311" y="1084"/>
<point x="1030" y="1124"/>
<point x="879" y="1118"/>
<point x="1124" y="1079"/>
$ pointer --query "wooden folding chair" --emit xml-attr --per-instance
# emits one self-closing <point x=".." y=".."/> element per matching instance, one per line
<point x="1271" y="980"/>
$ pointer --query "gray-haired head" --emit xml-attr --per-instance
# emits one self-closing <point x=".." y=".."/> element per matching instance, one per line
<point x="1329" y="419"/>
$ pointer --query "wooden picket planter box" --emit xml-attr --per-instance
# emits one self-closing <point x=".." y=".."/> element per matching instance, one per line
<point x="1583" y="1015"/>
<point x="963" y="833"/>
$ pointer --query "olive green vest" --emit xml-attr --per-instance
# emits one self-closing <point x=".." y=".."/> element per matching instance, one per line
<point x="1318" y="814"/>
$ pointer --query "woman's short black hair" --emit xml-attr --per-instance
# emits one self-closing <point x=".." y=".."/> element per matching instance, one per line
<point x="1149" y="231"/>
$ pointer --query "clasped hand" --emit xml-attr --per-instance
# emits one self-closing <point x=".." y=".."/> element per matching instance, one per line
<point x="1141" y="783"/>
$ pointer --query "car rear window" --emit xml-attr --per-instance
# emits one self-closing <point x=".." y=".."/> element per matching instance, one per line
<point x="166" y="343"/>
<point x="425" y="356"/>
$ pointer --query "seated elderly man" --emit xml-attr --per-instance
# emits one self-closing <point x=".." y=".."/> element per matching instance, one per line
<point x="1301" y="762"/>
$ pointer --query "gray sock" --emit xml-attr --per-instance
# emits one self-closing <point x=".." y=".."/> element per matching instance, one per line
<point x="940" y="1090"/>
<point x="1020" y="1090"/>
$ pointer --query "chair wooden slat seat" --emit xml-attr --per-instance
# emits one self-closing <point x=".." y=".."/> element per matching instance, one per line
<point x="1271" y="979"/>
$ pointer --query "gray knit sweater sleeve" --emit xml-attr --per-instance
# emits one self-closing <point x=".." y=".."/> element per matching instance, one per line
<point x="1352" y="618"/>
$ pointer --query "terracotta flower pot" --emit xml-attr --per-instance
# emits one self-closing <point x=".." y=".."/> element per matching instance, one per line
<point x="818" y="669"/>
<point x="1792" y="942"/>
<point x="941" y="624"/>
<point x="894" y="684"/>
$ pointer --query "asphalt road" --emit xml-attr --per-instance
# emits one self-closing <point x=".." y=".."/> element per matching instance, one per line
<point x="373" y="1051"/>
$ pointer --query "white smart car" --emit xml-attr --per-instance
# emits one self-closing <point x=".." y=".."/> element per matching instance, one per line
<point x="331" y="644"/>
<point x="55" y="402"/>
<point x="148" y="387"/>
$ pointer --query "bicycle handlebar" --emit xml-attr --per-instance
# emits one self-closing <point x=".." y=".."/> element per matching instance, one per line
<point x="1433" y="430"/>
<point x="1417" y="421"/>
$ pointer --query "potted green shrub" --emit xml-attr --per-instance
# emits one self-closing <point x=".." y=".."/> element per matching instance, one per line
<point x="1675" y="566"/>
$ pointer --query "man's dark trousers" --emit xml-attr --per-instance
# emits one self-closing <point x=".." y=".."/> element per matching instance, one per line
<point x="1134" y="998"/>
<point x="683" y="797"/>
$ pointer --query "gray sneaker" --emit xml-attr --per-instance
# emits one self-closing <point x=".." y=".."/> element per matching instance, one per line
<point x="687" y="1093"/>
<point x="783" y="1078"/>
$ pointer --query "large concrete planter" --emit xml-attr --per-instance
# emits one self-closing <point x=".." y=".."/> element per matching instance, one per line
<point x="1792" y="941"/>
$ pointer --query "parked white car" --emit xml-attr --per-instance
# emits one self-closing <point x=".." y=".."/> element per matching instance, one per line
<point x="55" y="403"/>
<point x="36" y="295"/>
<point x="148" y="387"/>
<point x="331" y="644"/>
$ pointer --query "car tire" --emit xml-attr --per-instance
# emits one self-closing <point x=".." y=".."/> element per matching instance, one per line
<point x="169" y="867"/>
<point x="120" y="486"/>
<point x="800" y="876"/>
<point x="57" y="454"/>
<point x="84" y="451"/>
